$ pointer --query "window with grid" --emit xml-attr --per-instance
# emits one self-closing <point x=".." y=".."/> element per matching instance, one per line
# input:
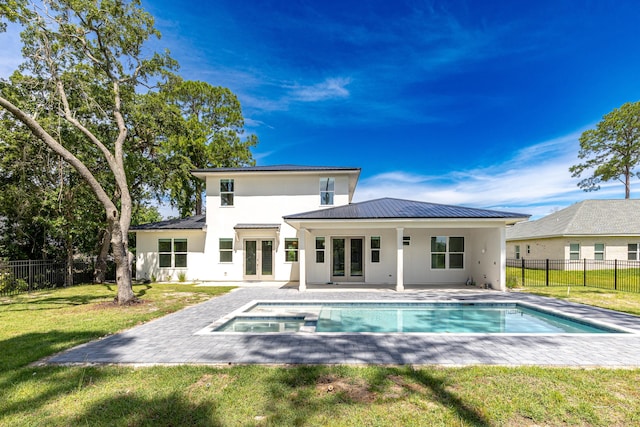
<point x="319" y="250"/>
<point x="447" y="252"/>
<point x="327" y="190"/>
<point x="226" y="250"/>
<point x="226" y="192"/>
<point x="291" y="250"/>
<point x="375" y="248"/>
<point x="172" y="253"/>
<point x="574" y="251"/>
<point x="632" y="251"/>
<point x="598" y="251"/>
<point x="517" y="251"/>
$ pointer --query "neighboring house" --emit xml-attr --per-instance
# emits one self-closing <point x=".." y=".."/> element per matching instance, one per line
<point x="592" y="229"/>
<point x="298" y="223"/>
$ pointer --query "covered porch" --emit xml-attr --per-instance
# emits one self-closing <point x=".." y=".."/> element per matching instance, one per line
<point x="399" y="243"/>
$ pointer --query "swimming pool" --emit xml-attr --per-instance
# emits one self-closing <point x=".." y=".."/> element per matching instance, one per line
<point x="403" y="317"/>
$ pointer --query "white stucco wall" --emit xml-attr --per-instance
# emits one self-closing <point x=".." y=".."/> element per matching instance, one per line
<point x="147" y="263"/>
<point x="263" y="199"/>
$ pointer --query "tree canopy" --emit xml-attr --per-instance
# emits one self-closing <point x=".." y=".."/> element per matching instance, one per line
<point x="611" y="151"/>
<point x="208" y="134"/>
<point x="83" y="63"/>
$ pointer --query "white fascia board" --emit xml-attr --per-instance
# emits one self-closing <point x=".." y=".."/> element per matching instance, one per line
<point x="329" y="224"/>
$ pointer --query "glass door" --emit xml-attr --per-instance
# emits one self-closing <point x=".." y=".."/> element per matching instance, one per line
<point x="347" y="263"/>
<point x="258" y="259"/>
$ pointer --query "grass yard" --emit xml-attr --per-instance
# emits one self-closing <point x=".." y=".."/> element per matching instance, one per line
<point x="626" y="302"/>
<point x="39" y="324"/>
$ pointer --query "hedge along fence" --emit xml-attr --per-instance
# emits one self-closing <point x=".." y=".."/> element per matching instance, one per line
<point x="621" y="275"/>
<point x="29" y="275"/>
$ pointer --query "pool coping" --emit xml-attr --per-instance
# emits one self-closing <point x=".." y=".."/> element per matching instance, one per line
<point x="172" y="340"/>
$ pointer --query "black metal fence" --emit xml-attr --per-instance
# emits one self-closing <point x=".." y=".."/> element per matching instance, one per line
<point x="29" y="275"/>
<point x="621" y="275"/>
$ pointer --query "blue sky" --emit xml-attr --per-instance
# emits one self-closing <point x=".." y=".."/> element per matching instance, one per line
<point x="475" y="103"/>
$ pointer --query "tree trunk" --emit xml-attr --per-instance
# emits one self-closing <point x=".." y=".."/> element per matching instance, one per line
<point x="69" y="244"/>
<point x="100" y="269"/>
<point x="120" y="250"/>
<point x="627" y="184"/>
<point x="198" y="203"/>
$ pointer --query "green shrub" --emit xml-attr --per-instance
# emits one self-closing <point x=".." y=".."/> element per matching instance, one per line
<point x="512" y="282"/>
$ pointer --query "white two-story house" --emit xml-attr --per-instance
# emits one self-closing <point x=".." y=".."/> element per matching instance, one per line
<point x="298" y="224"/>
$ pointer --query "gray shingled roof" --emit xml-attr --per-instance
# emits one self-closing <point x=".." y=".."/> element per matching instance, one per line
<point x="589" y="217"/>
<point x="197" y="222"/>
<point x="388" y="208"/>
<point x="277" y="168"/>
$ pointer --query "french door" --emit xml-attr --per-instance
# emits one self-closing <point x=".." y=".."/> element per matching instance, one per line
<point x="258" y="259"/>
<point x="347" y="260"/>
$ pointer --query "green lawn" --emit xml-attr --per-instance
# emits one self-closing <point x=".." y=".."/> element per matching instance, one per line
<point x="39" y="324"/>
<point x="623" y="279"/>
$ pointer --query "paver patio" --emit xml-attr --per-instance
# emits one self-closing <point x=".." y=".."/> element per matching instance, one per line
<point x="171" y="339"/>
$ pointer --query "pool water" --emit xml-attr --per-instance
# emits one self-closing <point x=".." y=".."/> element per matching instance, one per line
<point x="411" y="317"/>
<point x="457" y="319"/>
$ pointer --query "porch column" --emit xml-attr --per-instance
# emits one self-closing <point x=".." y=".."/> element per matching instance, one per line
<point x="400" y="260"/>
<point x="502" y="281"/>
<point x="302" y="260"/>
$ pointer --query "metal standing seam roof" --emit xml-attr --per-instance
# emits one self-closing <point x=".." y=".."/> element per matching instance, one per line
<point x="589" y="217"/>
<point x="257" y="227"/>
<point x="277" y="168"/>
<point x="197" y="222"/>
<point x="388" y="208"/>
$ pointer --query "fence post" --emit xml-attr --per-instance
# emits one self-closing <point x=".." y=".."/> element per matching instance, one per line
<point x="584" y="272"/>
<point x="30" y="267"/>
<point x="615" y="274"/>
<point x="523" y="272"/>
<point x="547" y="272"/>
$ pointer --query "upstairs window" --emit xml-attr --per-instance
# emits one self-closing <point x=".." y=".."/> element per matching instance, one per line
<point x="327" y="186"/>
<point x="226" y="192"/>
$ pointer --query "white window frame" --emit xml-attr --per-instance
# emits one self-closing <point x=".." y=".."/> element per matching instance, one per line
<point x="375" y="248"/>
<point x="447" y="253"/>
<point x="321" y="244"/>
<point x="173" y="252"/>
<point x="517" y="251"/>
<point x="291" y="249"/>
<point x="574" y="255"/>
<point x="597" y="252"/>
<point x="225" y="250"/>
<point x="327" y="191"/>
<point x="226" y="191"/>
<point x="635" y="253"/>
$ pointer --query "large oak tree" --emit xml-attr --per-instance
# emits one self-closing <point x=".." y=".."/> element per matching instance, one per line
<point x="85" y="60"/>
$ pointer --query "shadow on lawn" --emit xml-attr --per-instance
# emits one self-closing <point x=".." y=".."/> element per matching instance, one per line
<point x="301" y="392"/>
<point x="47" y="384"/>
<point x="21" y="350"/>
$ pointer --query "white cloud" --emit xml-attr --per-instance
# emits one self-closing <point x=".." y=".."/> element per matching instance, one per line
<point x="536" y="180"/>
<point x="331" y="88"/>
